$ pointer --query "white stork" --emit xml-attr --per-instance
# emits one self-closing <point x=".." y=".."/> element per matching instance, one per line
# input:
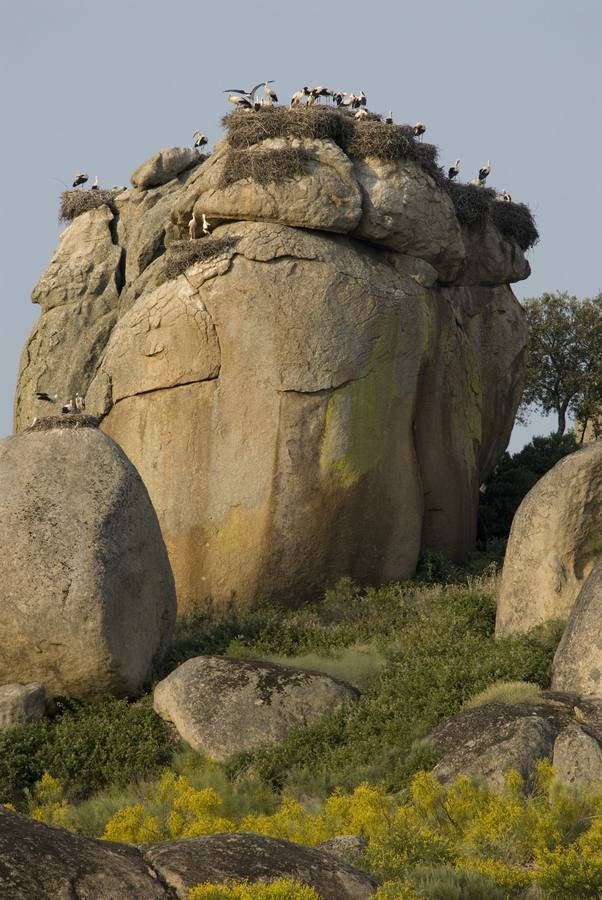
<point x="504" y="197"/>
<point x="80" y="179"/>
<point x="47" y="398"/>
<point x="95" y="187"/>
<point x="298" y="97"/>
<point x="419" y="129"/>
<point x="239" y="100"/>
<point x="484" y="172"/>
<point x="361" y="114"/>
<point x="199" y="139"/>
<point x="454" y="170"/>
<point x="68" y="407"/>
<point x="193" y="230"/>
<point x="389" y="118"/>
<point x="270" y="95"/>
<point x="80" y="403"/>
<point x="207" y="228"/>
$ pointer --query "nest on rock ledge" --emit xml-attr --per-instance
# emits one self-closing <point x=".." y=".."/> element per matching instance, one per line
<point x="70" y="420"/>
<point x="475" y="206"/>
<point x="181" y="255"/>
<point x="264" y="166"/>
<point x="75" y="202"/>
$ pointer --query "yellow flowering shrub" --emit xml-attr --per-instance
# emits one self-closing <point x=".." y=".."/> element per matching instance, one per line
<point x="281" y="889"/>
<point x="550" y="839"/>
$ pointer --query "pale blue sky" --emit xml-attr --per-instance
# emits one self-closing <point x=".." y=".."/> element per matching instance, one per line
<point x="100" y="86"/>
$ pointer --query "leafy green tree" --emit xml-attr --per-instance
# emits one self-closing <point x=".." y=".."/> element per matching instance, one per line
<point x="564" y="360"/>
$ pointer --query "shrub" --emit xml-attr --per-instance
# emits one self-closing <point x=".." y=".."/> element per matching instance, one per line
<point x="515" y="220"/>
<point x="181" y="255"/>
<point x="75" y="202"/>
<point x="506" y="692"/>
<point x="264" y="166"/>
<point x="86" y="746"/>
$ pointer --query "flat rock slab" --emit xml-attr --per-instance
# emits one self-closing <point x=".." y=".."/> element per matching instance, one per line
<point x="164" y="165"/>
<point x="21" y="703"/>
<point x="42" y="863"/>
<point x="228" y="857"/>
<point x="222" y="706"/>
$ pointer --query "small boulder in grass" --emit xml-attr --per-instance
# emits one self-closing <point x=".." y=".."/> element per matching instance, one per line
<point x="21" y="703"/>
<point x="222" y="706"/>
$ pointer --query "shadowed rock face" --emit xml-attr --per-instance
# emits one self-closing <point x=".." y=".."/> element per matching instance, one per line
<point x="304" y="404"/>
<point x="578" y="659"/>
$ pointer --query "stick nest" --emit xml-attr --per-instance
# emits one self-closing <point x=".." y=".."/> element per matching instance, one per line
<point x="471" y="203"/>
<point x="515" y="220"/>
<point x="69" y="420"/>
<point x="181" y="255"/>
<point x="264" y="166"/>
<point x="75" y="202"/>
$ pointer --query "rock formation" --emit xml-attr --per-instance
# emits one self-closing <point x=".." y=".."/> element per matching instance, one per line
<point x="555" y="540"/>
<point x="87" y="599"/>
<point x="487" y="741"/>
<point x="578" y="659"/>
<point x="50" y="863"/>
<point x="322" y="389"/>
<point x="221" y="706"/>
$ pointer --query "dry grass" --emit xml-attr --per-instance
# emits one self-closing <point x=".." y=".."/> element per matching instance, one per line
<point x="248" y="128"/>
<point x="264" y="166"/>
<point x="472" y="203"/>
<point x="182" y="254"/>
<point x="73" y="420"/>
<point x="515" y="220"/>
<point x="75" y="202"/>
<point x="510" y="692"/>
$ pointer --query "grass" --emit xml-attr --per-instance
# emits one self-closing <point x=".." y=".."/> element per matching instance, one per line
<point x="180" y="255"/>
<point x="506" y="692"/>
<point x="75" y="202"/>
<point x="264" y="166"/>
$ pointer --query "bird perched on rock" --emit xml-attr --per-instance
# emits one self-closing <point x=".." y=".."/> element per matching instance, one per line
<point x="207" y="228"/>
<point x="484" y="172"/>
<point x="454" y="170"/>
<point x="80" y="179"/>
<point x="95" y="186"/>
<point x="419" y="129"/>
<point x="199" y="139"/>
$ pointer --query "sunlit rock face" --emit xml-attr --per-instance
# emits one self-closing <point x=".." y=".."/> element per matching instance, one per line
<point x="320" y="395"/>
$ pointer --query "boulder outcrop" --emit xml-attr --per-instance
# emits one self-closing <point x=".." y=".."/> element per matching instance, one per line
<point x="222" y="706"/>
<point x="218" y="858"/>
<point x="578" y="659"/>
<point x="487" y="741"/>
<point x="321" y="393"/>
<point x="555" y="541"/>
<point x="164" y="166"/>
<point x="87" y="598"/>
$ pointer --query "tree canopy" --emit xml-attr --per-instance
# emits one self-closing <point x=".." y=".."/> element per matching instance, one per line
<point x="564" y="359"/>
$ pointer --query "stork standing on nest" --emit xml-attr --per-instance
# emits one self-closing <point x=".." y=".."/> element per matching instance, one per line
<point x="389" y="118"/>
<point x="361" y="114"/>
<point x="207" y="228"/>
<point x="454" y="170"/>
<point x="80" y="179"/>
<point x="68" y="407"/>
<point x="239" y="99"/>
<point x="419" y="129"/>
<point x="80" y="403"/>
<point x="298" y="97"/>
<point x="504" y="197"/>
<point x="199" y="140"/>
<point x="483" y="173"/>
<point x="95" y="186"/>
<point x="270" y="95"/>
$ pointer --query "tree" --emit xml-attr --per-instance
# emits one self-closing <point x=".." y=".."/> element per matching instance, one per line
<point x="564" y="358"/>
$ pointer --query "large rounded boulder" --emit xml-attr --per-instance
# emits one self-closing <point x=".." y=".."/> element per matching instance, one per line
<point x="87" y="600"/>
<point x="555" y="541"/>
<point x="578" y="659"/>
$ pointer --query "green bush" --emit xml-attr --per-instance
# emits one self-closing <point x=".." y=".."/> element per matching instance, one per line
<point x="86" y="746"/>
<point x="440" y="652"/>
